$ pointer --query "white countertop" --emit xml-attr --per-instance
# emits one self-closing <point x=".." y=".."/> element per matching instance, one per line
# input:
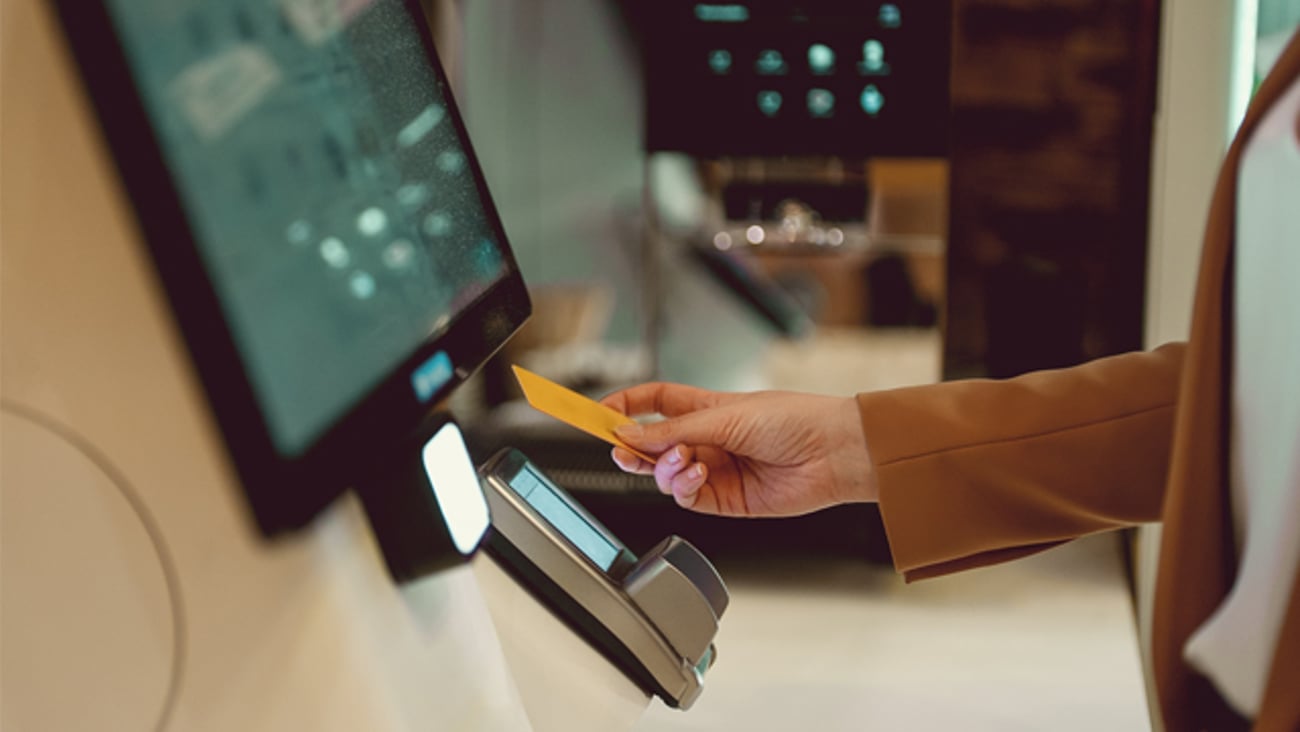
<point x="1048" y="642"/>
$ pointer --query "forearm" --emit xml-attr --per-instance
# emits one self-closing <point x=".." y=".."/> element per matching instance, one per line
<point x="976" y="472"/>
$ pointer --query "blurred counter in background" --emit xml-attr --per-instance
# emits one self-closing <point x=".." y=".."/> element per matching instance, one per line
<point x="818" y="638"/>
<point x="837" y="645"/>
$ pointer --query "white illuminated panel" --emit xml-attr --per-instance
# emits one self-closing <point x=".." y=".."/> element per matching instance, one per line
<point x="456" y="486"/>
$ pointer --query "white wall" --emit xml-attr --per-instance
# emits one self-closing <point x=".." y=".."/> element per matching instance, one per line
<point x="551" y="94"/>
<point x="1192" y="128"/>
<point x="552" y="97"/>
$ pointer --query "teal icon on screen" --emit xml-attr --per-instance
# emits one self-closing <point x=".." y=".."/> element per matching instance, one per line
<point x="372" y="221"/>
<point x="722" y="12"/>
<point x="720" y="60"/>
<point x="335" y="252"/>
<point x="431" y="376"/>
<point x="872" y="100"/>
<point x="821" y="59"/>
<point x="450" y="161"/>
<point x="821" y="103"/>
<point x="298" y="233"/>
<point x="769" y="102"/>
<point x="487" y="260"/>
<point x="362" y="285"/>
<point x="873" y="59"/>
<point x="437" y="223"/>
<point x="770" y="63"/>
<point x="890" y="16"/>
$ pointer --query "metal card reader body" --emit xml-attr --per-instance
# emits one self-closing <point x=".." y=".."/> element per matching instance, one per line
<point x="654" y="616"/>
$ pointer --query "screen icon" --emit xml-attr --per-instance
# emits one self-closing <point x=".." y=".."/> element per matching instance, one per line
<point x="431" y="376"/>
<point x="873" y="59"/>
<point x="821" y="103"/>
<point x="890" y="16"/>
<point x="363" y="285"/>
<point x="770" y="63"/>
<point x="721" y="13"/>
<point x="821" y="59"/>
<point x="335" y="252"/>
<point x="720" y="60"/>
<point x="872" y="100"/>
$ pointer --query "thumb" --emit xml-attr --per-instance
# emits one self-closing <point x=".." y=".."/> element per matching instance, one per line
<point x="705" y="427"/>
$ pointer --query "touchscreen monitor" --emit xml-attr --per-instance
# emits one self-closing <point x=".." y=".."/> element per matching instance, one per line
<point x="308" y="192"/>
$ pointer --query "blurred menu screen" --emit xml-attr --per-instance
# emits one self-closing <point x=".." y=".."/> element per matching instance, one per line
<point x="329" y="193"/>
<point x="769" y="77"/>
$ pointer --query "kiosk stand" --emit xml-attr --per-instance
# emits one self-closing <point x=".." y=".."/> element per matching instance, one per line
<point x="173" y="557"/>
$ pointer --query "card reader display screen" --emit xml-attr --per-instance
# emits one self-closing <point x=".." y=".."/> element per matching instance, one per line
<point x="567" y="518"/>
<point x="328" y="190"/>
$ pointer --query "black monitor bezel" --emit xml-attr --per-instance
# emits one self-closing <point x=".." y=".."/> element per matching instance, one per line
<point x="283" y="493"/>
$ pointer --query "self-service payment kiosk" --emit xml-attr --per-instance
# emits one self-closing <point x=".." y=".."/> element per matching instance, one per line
<point x="247" y="252"/>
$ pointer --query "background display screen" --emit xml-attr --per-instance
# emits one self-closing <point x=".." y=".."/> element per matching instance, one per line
<point x="567" y="518"/>
<point x="328" y="190"/>
<point x="769" y="77"/>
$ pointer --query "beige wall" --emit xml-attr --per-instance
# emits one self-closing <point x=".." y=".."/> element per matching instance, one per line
<point x="1192" y="129"/>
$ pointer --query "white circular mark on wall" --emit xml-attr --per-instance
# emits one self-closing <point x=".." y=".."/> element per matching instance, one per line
<point x="90" y="625"/>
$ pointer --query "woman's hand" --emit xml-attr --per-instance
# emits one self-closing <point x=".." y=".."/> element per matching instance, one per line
<point x="760" y="454"/>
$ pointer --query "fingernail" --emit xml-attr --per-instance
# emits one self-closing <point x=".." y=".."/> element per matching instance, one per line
<point x="676" y="455"/>
<point x="696" y="475"/>
<point x="629" y="431"/>
<point x="689" y="493"/>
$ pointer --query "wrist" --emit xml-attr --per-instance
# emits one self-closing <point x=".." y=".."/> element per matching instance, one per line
<point x="855" y="474"/>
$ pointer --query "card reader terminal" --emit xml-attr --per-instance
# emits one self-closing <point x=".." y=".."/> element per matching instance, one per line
<point x="655" y="617"/>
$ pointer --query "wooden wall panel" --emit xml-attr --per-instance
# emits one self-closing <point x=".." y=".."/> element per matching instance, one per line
<point x="1052" y="105"/>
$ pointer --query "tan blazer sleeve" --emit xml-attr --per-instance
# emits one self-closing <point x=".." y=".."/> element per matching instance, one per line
<point x="977" y="472"/>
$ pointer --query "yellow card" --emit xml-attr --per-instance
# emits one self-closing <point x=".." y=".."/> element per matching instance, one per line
<point x="574" y="409"/>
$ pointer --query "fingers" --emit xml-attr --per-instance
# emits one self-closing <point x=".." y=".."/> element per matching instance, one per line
<point x="671" y="464"/>
<point x="711" y="427"/>
<point x="670" y="400"/>
<point x="630" y="463"/>
<point x="693" y="415"/>
<point x="676" y="473"/>
<point x="686" y="485"/>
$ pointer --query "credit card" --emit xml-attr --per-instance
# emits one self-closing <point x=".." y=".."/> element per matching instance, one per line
<point x="574" y="409"/>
